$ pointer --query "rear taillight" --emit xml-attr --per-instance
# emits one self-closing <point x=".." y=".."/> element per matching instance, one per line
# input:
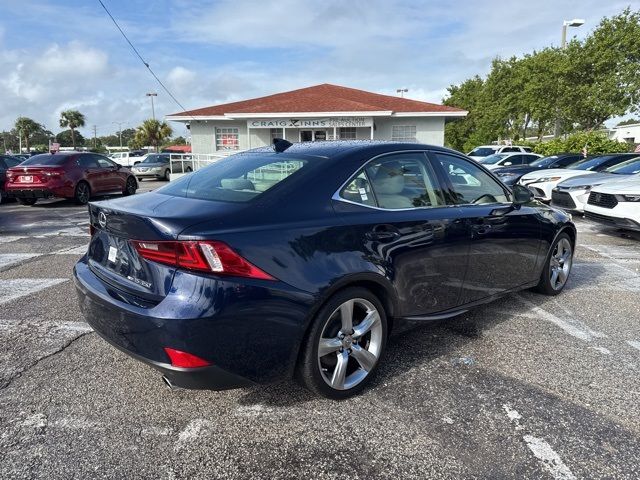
<point x="205" y="256"/>
<point x="185" y="360"/>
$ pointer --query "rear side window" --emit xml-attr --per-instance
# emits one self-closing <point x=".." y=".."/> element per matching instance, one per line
<point x="398" y="181"/>
<point x="238" y="178"/>
<point x="45" y="160"/>
<point x="87" y="161"/>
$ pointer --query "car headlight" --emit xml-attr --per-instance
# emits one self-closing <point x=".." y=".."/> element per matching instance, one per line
<point x="547" y="179"/>
<point x="629" y="198"/>
<point x="581" y="187"/>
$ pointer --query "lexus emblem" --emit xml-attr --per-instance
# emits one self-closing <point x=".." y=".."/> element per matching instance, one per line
<point x="598" y="197"/>
<point x="102" y="219"/>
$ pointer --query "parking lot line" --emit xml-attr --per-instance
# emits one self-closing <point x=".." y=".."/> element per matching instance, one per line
<point x="19" y="287"/>
<point x="12" y="259"/>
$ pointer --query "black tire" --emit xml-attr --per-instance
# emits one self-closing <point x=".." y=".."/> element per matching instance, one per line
<point x="27" y="201"/>
<point x="546" y="285"/>
<point x="309" y="370"/>
<point x="167" y="175"/>
<point x="82" y="194"/>
<point x="130" y="186"/>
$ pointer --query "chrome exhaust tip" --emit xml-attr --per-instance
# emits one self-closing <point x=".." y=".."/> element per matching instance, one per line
<point x="168" y="383"/>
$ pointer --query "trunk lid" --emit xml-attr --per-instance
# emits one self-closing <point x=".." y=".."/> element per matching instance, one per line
<point x="35" y="175"/>
<point x="151" y="217"/>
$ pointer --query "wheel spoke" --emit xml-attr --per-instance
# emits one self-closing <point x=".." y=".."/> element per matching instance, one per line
<point x="554" y="278"/>
<point x="365" y="325"/>
<point x="328" y="345"/>
<point x="365" y="358"/>
<point x="340" y="372"/>
<point x="346" y="316"/>
<point x="562" y="275"/>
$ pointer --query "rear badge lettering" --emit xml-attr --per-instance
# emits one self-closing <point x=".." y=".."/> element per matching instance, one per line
<point x="139" y="282"/>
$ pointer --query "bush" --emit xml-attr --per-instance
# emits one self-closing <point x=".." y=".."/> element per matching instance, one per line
<point x="596" y="143"/>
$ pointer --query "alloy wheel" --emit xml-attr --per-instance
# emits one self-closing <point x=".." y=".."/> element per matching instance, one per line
<point x="350" y="344"/>
<point x="560" y="264"/>
<point x="82" y="193"/>
<point x="131" y="186"/>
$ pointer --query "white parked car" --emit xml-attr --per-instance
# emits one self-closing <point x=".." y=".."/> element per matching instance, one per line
<point x="542" y="182"/>
<point x="128" y="159"/>
<point x="486" y="150"/>
<point x="498" y="160"/>
<point x="572" y="194"/>
<point x="616" y="204"/>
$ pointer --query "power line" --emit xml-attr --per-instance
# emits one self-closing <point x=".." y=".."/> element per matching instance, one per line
<point x="145" y="63"/>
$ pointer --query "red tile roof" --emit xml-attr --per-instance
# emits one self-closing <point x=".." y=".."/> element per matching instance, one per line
<point x="321" y="98"/>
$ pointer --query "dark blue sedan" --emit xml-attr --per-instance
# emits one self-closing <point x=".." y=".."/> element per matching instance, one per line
<point x="298" y="259"/>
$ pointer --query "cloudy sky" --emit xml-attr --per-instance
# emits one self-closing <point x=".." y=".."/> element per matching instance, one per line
<point x="61" y="54"/>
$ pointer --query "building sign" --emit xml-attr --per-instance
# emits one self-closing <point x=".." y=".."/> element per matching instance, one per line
<point x="311" y="122"/>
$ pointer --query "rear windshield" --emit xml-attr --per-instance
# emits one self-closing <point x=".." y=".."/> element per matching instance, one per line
<point x="590" y="163"/>
<point x="238" y="178"/>
<point x="482" y="151"/>
<point x="156" y="158"/>
<point x="45" y="159"/>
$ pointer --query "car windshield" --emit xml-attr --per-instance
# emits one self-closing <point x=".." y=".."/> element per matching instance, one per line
<point x="238" y="178"/>
<point x="45" y="159"/>
<point x="482" y="151"/>
<point x="629" y="167"/>
<point x="544" y="161"/>
<point x="155" y="158"/>
<point x="590" y="163"/>
<point x="492" y="159"/>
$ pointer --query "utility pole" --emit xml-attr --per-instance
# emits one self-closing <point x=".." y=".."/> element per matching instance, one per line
<point x="95" y="133"/>
<point x="119" y="131"/>
<point x="153" y="112"/>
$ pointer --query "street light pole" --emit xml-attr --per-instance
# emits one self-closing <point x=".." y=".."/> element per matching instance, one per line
<point x="402" y="91"/>
<point x="153" y="112"/>
<point x="576" y="22"/>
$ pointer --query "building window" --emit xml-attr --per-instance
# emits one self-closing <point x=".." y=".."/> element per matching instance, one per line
<point x="403" y="133"/>
<point x="277" y="133"/>
<point x="227" y="139"/>
<point x="347" y="133"/>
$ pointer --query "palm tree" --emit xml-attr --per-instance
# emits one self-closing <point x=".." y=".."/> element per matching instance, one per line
<point x="72" y="119"/>
<point x="153" y="132"/>
<point x="25" y="128"/>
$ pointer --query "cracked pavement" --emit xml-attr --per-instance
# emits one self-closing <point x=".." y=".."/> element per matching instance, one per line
<point x="526" y="387"/>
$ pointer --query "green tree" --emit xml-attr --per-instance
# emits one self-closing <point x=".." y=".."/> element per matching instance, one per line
<point x="26" y="128"/>
<point x="152" y="132"/>
<point x="465" y="133"/>
<point x="67" y="138"/>
<point x="595" y="143"/>
<point x="72" y="119"/>
<point x="630" y="121"/>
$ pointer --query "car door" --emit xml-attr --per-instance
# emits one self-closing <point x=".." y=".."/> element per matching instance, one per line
<point x="91" y="172"/>
<point x="396" y="208"/>
<point x="504" y="240"/>
<point x="112" y="177"/>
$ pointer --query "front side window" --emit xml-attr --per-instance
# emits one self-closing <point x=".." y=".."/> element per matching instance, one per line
<point x="398" y="181"/>
<point x="403" y="133"/>
<point x="104" y="162"/>
<point x="227" y="139"/>
<point x="471" y="184"/>
<point x="239" y="178"/>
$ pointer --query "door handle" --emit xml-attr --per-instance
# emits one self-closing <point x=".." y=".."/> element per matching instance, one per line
<point x="383" y="233"/>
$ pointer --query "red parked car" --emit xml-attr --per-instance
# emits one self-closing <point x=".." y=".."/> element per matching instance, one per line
<point x="70" y="175"/>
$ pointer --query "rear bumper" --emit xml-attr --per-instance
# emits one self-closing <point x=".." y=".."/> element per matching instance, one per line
<point x="30" y="193"/>
<point x="15" y="190"/>
<point x="250" y="332"/>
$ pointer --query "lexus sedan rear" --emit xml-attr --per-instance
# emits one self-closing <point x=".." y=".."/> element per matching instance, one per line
<point x="298" y="261"/>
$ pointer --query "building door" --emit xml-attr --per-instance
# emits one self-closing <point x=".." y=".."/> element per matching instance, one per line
<point x="306" y="135"/>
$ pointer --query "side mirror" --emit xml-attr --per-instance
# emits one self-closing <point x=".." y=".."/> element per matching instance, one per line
<point x="521" y="194"/>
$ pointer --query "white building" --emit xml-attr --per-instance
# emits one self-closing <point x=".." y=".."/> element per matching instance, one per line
<point x="626" y="133"/>
<point x="321" y="112"/>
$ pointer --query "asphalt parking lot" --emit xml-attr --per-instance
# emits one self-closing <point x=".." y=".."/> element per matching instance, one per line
<point x="526" y="387"/>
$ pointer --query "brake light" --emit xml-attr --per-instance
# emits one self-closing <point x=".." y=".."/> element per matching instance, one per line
<point x="203" y="256"/>
<point x="185" y="360"/>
